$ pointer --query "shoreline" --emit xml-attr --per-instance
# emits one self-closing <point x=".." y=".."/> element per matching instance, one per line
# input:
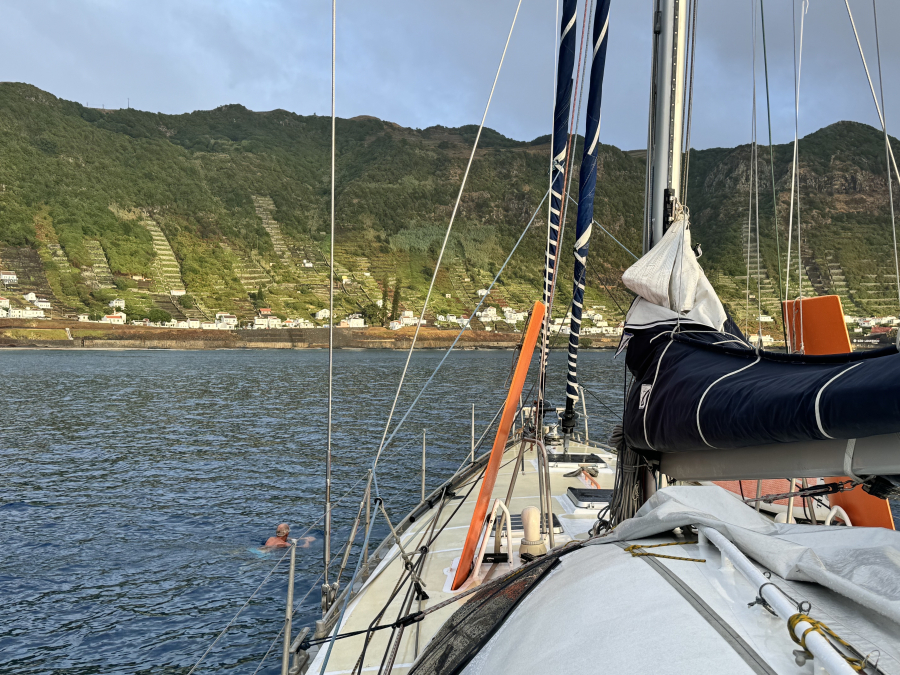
<point x="18" y="334"/>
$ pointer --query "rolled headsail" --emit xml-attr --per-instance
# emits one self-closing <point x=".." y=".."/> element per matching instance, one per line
<point x="561" y="112"/>
<point x="562" y="109"/>
<point x="587" y="184"/>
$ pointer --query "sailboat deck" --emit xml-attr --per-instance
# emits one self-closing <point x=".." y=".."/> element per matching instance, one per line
<point x="441" y="561"/>
<point x="640" y="608"/>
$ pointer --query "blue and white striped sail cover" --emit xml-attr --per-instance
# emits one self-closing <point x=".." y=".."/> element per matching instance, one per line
<point x="586" y="188"/>
<point x="561" y="111"/>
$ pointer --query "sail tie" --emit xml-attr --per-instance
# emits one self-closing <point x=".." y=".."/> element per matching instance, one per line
<point x="633" y="549"/>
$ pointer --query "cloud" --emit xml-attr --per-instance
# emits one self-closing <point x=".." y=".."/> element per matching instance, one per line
<point x="424" y="63"/>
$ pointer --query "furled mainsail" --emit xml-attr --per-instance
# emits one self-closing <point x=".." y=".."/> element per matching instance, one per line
<point x="586" y="188"/>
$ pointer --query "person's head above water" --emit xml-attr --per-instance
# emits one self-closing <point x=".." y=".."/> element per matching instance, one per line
<point x="281" y="535"/>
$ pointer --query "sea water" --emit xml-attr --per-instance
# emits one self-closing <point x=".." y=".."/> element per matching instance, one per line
<point x="137" y="486"/>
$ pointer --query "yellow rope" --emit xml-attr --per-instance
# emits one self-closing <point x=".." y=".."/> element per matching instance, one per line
<point x="828" y="634"/>
<point x="635" y="553"/>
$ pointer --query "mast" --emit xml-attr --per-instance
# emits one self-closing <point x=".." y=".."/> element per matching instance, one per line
<point x="587" y="182"/>
<point x="564" y="67"/>
<point x="667" y="111"/>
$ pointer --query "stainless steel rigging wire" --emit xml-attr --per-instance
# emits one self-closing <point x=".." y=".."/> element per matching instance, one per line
<point x="437" y="266"/>
<point x="762" y="17"/>
<point x="887" y="153"/>
<point x="326" y="549"/>
<point x="466" y="325"/>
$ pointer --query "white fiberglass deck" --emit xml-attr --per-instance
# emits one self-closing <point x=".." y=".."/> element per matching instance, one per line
<point x="600" y="605"/>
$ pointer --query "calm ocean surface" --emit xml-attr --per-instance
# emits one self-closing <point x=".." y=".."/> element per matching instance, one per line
<point x="137" y="486"/>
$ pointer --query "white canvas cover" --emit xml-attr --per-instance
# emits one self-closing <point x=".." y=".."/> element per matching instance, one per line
<point x="671" y="283"/>
<point x="860" y="563"/>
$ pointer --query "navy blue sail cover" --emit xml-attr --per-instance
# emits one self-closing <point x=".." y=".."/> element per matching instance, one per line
<point x="696" y="388"/>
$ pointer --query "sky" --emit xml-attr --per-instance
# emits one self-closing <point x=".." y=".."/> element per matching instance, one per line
<point x="421" y="63"/>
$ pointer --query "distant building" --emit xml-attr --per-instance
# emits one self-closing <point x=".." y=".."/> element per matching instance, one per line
<point x="118" y="318"/>
<point x="209" y="325"/>
<point x="406" y="314"/>
<point x="447" y="295"/>
<point x="482" y="292"/>
<point x="4" y="302"/>
<point x="395" y="325"/>
<point x="765" y="318"/>
<point x="9" y="277"/>
<point x="356" y="321"/>
<point x="178" y="292"/>
<point x="226" y="321"/>
<point x="30" y="297"/>
<point x="264" y="311"/>
<point x="266" y="322"/>
<point x="322" y="315"/>
<point x="83" y="318"/>
<point x="766" y="339"/>
<point x="42" y="303"/>
<point x="26" y="313"/>
<point x="118" y="303"/>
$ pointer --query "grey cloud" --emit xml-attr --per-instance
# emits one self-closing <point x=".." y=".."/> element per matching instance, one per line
<point x="424" y="63"/>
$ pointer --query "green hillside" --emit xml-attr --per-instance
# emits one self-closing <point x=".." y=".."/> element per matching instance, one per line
<point x="231" y="206"/>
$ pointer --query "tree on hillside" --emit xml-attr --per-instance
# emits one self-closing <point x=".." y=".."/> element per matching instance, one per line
<point x="159" y="316"/>
<point x="395" y="303"/>
<point x="384" y="299"/>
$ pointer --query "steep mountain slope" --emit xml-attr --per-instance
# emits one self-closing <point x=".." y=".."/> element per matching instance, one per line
<point x="228" y="202"/>
<point x="231" y="206"/>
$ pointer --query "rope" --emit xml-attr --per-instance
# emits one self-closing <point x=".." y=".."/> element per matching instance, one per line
<point x="795" y="178"/>
<point x="446" y="238"/>
<point x="887" y="152"/>
<point x="636" y="553"/>
<point x="463" y="329"/>
<point x="755" y="187"/>
<point x="624" y="248"/>
<point x="326" y="549"/>
<point x="762" y="16"/>
<point x="293" y="611"/>
<point x="567" y="179"/>
<point x="689" y="103"/>
<point x="243" y="607"/>
<point x="583" y="388"/>
<point x="858" y="664"/>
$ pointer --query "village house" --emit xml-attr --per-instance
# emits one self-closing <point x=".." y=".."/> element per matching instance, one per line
<point x="118" y="318"/>
<point x="9" y="277"/>
<point x="356" y="321"/>
<point x="488" y="314"/>
<point x="84" y="318"/>
<point x="395" y="325"/>
<point x="4" y="302"/>
<point x="42" y="303"/>
<point x="226" y="321"/>
<point x="26" y="313"/>
<point x="30" y="297"/>
<point x="266" y="321"/>
<point x="118" y="303"/>
<point x="322" y="315"/>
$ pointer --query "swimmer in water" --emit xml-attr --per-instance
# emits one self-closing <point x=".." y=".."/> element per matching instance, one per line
<point x="280" y="540"/>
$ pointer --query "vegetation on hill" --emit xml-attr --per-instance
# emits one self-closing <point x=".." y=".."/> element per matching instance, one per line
<point x="241" y="200"/>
